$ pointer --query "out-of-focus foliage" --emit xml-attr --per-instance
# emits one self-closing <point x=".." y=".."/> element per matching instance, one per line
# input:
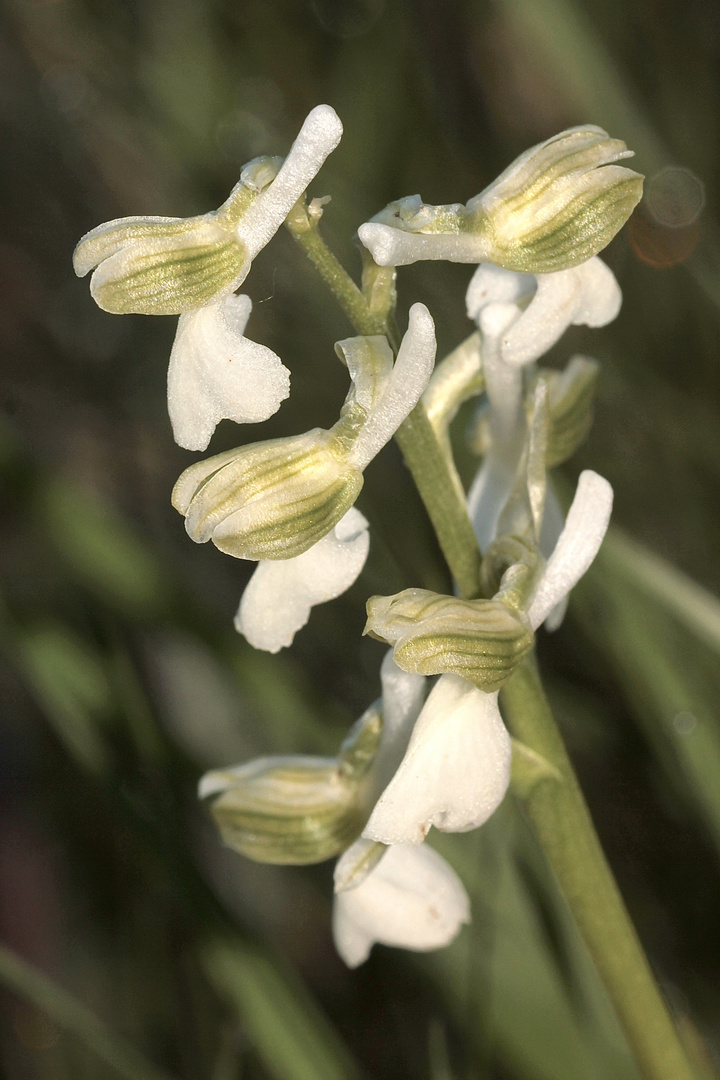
<point x="121" y="677"/>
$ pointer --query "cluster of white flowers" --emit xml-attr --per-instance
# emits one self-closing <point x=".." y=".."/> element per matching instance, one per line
<point x="415" y="759"/>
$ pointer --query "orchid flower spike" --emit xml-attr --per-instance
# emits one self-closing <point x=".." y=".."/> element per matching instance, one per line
<point x="557" y="205"/>
<point x="275" y="499"/>
<point x="191" y="267"/>
<point x="412" y="899"/>
<point x="456" y="769"/>
<point x="278" y="598"/>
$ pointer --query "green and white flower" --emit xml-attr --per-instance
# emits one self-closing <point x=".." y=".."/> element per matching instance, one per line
<point x="456" y="769"/>
<point x="557" y="205"/>
<point x="191" y="267"/>
<point x="166" y="266"/>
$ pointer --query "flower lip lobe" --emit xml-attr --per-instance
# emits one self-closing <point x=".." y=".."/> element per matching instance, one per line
<point x="217" y="373"/>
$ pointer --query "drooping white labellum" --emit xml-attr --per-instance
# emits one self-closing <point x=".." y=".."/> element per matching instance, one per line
<point x="280" y="594"/>
<point x="412" y="899"/>
<point x="456" y="769"/>
<point x="216" y="373"/>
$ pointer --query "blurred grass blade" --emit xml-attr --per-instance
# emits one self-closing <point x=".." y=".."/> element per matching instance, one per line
<point x="102" y="550"/>
<point x="289" y="1033"/>
<point x="70" y="1014"/>
<point x="655" y="626"/>
<point x="531" y="985"/>
<point x="692" y="604"/>
<point x="70" y="684"/>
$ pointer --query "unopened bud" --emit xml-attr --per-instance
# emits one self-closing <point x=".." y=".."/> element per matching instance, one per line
<point x="480" y="640"/>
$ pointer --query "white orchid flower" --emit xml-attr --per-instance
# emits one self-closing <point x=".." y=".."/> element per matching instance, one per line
<point x="456" y="769"/>
<point x="278" y="598"/>
<point x="412" y="899"/>
<point x="586" y="295"/>
<point x="191" y="267"/>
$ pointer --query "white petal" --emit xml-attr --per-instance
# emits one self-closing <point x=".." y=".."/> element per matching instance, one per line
<point x="280" y="594"/>
<point x="317" y="138"/>
<point x="216" y="373"/>
<point x="403" y="694"/>
<point x="601" y="297"/>
<point x="552" y="527"/>
<point x="405" y="386"/>
<point x="503" y="382"/>
<point x="488" y="494"/>
<point x="579" y="543"/>
<point x="412" y="900"/>
<point x="455" y="772"/>
<point x="491" y="284"/>
<point x="395" y="247"/>
<point x="587" y="295"/>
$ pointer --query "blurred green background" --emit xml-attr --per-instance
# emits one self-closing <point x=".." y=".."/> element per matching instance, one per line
<point x="121" y="678"/>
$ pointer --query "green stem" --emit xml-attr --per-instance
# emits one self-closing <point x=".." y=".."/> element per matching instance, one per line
<point x="566" y="832"/>
<point x="416" y="437"/>
<point x="27" y="982"/>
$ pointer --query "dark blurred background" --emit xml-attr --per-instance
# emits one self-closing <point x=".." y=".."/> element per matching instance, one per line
<point x="121" y="678"/>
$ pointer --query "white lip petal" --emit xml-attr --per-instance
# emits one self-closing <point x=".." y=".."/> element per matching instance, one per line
<point x="320" y="134"/>
<point x="455" y="772"/>
<point x="587" y="295"/>
<point x="579" y="543"/>
<point x="216" y="373"/>
<point x="412" y="900"/>
<point x="278" y="598"/>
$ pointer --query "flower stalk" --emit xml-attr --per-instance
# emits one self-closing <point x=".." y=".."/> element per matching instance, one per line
<point x="567" y="835"/>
